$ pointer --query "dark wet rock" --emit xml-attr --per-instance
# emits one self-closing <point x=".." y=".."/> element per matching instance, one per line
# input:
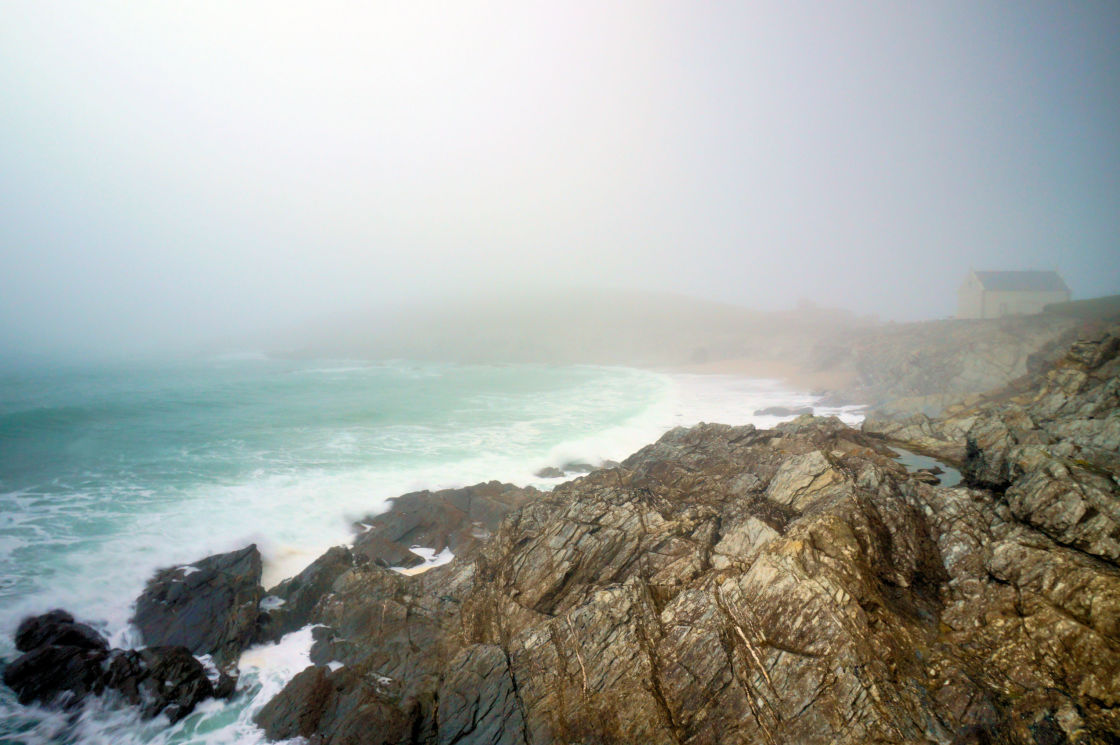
<point x="226" y="685"/>
<point x="451" y="518"/>
<point x="209" y="607"/>
<point x="159" y="680"/>
<point x="374" y="546"/>
<point x="51" y="674"/>
<point x="295" y="598"/>
<point x="337" y="708"/>
<point x="549" y="472"/>
<point x="784" y="411"/>
<point x="57" y="627"/>
<point x="573" y="466"/>
<point x="298" y="709"/>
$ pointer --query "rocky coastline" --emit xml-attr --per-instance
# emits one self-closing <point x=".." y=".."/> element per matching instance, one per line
<point x="724" y="584"/>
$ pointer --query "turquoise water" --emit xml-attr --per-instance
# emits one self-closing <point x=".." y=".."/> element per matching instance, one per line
<point x="107" y="474"/>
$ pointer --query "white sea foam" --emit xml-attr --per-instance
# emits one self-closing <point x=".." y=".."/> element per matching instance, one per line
<point x="431" y="558"/>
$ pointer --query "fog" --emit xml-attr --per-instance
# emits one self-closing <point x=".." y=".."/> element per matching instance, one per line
<point x="176" y="174"/>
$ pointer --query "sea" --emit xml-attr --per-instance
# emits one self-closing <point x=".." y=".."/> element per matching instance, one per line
<point x="110" y="472"/>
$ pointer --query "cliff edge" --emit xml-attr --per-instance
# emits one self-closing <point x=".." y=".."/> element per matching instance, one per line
<point x="727" y="584"/>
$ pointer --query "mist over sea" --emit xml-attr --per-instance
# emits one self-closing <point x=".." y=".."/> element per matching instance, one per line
<point x="108" y="473"/>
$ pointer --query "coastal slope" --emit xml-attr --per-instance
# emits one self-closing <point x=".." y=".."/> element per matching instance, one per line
<point x="727" y="584"/>
<point x="723" y="584"/>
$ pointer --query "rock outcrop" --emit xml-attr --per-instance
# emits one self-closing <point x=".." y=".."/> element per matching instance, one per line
<point x="450" y="518"/>
<point x="724" y="584"/>
<point x="64" y="662"/>
<point x="293" y="599"/>
<point x="732" y="585"/>
<point x="210" y="607"/>
<point x="1050" y="445"/>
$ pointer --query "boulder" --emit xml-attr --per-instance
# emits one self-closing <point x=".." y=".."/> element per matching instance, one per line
<point x="210" y="607"/>
<point x="62" y="675"/>
<point x="57" y="627"/>
<point x="159" y="680"/>
<point x="549" y="472"/>
<point x="66" y="662"/>
<point x="335" y="708"/>
<point x="298" y="709"/>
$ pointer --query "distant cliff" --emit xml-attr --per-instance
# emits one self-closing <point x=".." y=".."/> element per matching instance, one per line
<point x="927" y="366"/>
<point x="921" y="366"/>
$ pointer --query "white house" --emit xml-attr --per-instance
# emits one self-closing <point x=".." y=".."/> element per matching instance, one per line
<point x="997" y="294"/>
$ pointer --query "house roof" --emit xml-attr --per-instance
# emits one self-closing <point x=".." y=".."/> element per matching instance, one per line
<point x="1022" y="281"/>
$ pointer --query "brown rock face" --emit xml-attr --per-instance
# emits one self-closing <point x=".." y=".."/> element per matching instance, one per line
<point x="1051" y="446"/>
<point x="450" y="518"/>
<point x="729" y="585"/>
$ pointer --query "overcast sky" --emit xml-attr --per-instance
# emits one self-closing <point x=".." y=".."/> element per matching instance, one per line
<point x="176" y="170"/>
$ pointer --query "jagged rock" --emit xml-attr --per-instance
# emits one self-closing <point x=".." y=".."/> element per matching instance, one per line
<point x="739" y="542"/>
<point x="297" y="596"/>
<point x="374" y="546"/>
<point x="478" y="700"/>
<point x="336" y="708"/>
<point x="451" y="518"/>
<point x="57" y="627"/>
<point x="209" y="607"/>
<point x="1055" y="452"/>
<point x="57" y="674"/>
<point x="919" y="433"/>
<point x="801" y="478"/>
<point x="68" y="661"/>
<point x="1036" y="624"/>
<point x="1072" y="505"/>
<point x="726" y="584"/>
<point x="549" y="472"/>
<point x="1051" y="443"/>
<point x="298" y="709"/>
<point x="160" y="680"/>
<point x="784" y="411"/>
